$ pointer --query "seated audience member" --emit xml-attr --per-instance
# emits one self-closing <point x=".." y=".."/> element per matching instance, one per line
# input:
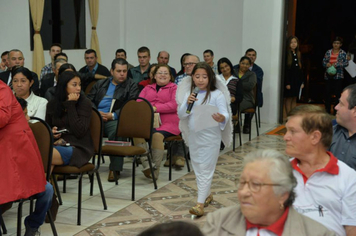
<point x="50" y="93"/>
<point x="163" y="58"/>
<point x="162" y="96"/>
<point x="62" y="56"/>
<point x="50" y="79"/>
<point x="147" y="81"/>
<point x="174" y="228"/>
<point x="140" y="72"/>
<point x="95" y="70"/>
<point x="72" y="111"/>
<point x="227" y="73"/>
<point x="22" y="83"/>
<point x="248" y="80"/>
<point x="4" y="63"/>
<point x="16" y="59"/>
<point x="19" y="147"/>
<point x="189" y="62"/>
<point x="343" y="144"/>
<point x="266" y="193"/>
<point x="326" y="187"/>
<point x="116" y="89"/>
<point x="209" y="58"/>
<point x="121" y="53"/>
<point x="54" y="50"/>
<point x="181" y="64"/>
<point x="252" y="54"/>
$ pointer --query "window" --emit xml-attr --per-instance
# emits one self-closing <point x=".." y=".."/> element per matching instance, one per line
<point x="63" y="22"/>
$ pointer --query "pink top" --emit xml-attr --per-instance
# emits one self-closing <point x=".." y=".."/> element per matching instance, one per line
<point x="165" y="102"/>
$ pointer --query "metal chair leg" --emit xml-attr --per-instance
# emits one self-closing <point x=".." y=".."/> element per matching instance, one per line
<point x="79" y="216"/>
<point x="186" y="156"/>
<point x="258" y="133"/>
<point x="149" y="156"/>
<point x="133" y="179"/>
<point x="57" y="189"/>
<point x="3" y="226"/>
<point x="170" y="160"/>
<point x="53" y="227"/>
<point x="101" y="190"/>
<point x="19" y="215"/>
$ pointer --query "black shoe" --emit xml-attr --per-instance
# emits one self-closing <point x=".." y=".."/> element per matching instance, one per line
<point x="246" y="130"/>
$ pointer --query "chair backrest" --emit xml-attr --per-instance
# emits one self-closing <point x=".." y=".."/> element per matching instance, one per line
<point x="89" y="87"/>
<point x="96" y="130"/>
<point x="135" y="119"/>
<point x="44" y="139"/>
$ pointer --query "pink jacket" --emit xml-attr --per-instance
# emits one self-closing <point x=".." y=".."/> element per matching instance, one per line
<point x="165" y="102"/>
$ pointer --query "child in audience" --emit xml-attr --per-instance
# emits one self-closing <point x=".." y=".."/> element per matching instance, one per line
<point x="204" y="142"/>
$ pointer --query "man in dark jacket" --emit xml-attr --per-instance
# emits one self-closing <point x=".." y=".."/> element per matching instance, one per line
<point x="93" y="68"/>
<point x="16" y="58"/>
<point x="108" y="96"/>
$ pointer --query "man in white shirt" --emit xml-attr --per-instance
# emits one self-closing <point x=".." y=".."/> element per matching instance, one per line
<point x="326" y="187"/>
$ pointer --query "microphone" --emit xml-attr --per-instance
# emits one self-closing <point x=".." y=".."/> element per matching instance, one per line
<point x="190" y="105"/>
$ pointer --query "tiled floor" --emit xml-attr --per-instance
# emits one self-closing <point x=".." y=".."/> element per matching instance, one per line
<point x="171" y="201"/>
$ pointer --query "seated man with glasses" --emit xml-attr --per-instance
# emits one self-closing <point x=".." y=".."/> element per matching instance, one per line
<point x="189" y="62"/>
<point x="266" y="193"/>
<point x="326" y="187"/>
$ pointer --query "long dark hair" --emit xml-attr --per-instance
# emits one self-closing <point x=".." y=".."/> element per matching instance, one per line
<point x="211" y="76"/>
<point x="61" y="95"/>
<point x="297" y="51"/>
<point x="228" y="62"/>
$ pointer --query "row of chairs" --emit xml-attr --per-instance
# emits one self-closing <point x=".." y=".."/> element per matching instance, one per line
<point x="136" y="120"/>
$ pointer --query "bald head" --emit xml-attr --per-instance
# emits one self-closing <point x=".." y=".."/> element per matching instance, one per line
<point x="163" y="57"/>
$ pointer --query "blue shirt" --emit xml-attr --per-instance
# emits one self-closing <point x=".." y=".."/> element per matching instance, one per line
<point x="105" y="103"/>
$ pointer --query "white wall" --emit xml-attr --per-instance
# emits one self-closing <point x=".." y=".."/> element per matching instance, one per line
<point x="228" y="27"/>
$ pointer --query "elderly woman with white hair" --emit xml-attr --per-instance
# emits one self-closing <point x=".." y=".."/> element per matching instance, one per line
<point x="266" y="194"/>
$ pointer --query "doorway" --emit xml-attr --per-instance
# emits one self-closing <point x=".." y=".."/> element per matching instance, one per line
<point x="316" y="23"/>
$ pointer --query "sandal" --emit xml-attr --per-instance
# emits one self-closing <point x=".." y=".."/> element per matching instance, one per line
<point x="208" y="200"/>
<point x="197" y="210"/>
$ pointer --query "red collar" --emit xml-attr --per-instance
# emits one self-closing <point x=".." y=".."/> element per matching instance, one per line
<point x="331" y="168"/>
<point x="277" y="227"/>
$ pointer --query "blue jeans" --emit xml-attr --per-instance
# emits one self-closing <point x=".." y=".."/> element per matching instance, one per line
<point x="43" y="203"/>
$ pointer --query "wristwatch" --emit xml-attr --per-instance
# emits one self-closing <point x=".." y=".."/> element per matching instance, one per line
<point x="113" y="116"/>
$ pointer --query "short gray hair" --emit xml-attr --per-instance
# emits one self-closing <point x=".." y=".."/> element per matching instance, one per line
<point x="280" y="170"/>
<point x="192" y="55"/>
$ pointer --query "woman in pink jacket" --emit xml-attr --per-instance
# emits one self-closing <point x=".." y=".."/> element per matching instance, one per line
<point x="162" y="96"/>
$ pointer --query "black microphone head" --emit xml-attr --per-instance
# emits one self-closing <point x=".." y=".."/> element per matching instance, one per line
<point x="196" y="90"/>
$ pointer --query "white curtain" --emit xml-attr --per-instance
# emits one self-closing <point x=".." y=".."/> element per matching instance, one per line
<point x="94" y="14"/>
<point x="36" y="7"/>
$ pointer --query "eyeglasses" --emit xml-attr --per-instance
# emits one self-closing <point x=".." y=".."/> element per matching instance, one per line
<point x="254" y="187"/>
<point x="162" y="73"/>
<point x="189" y="64"/>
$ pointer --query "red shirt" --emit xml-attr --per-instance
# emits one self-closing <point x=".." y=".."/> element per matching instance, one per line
<point x="277" y="227"/>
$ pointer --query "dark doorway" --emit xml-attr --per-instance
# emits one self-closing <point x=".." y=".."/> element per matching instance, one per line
<point x="316" y="23"/>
